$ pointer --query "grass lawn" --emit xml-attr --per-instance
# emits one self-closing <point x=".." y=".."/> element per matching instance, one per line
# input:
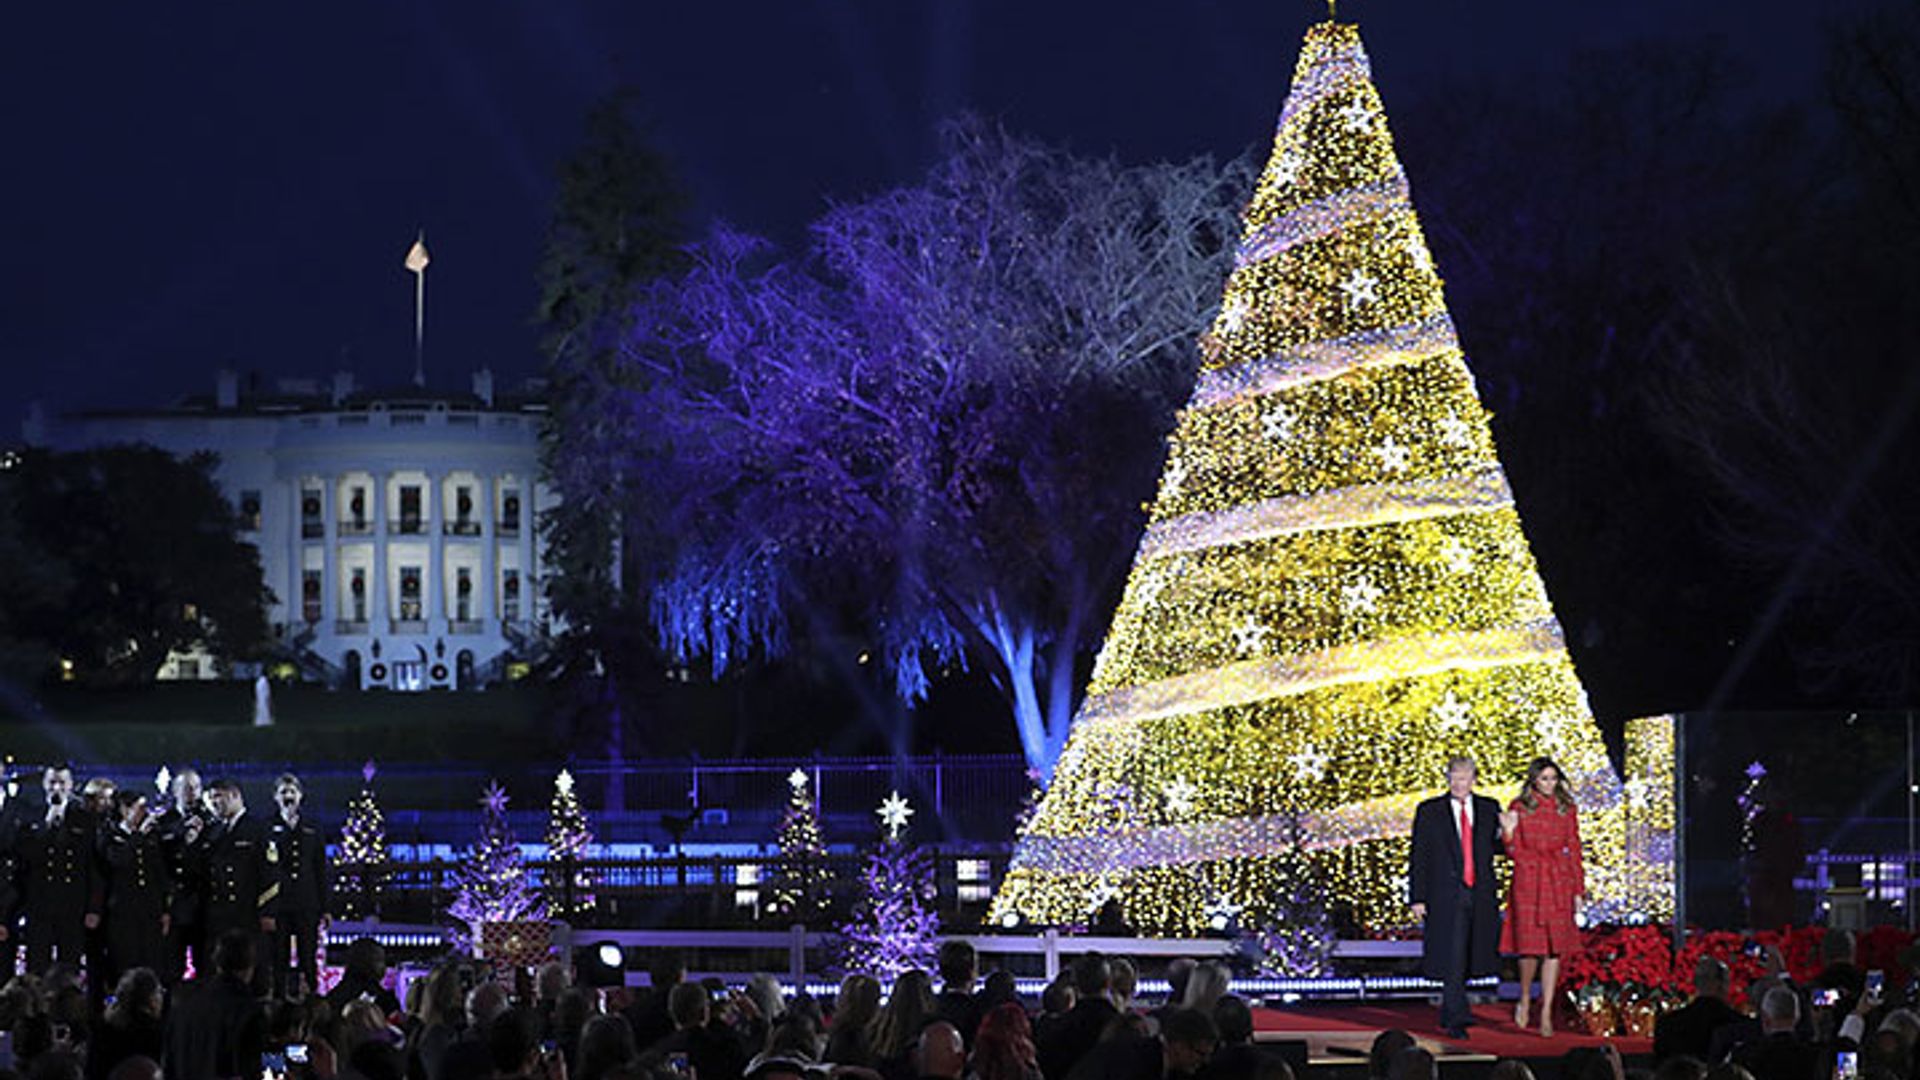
<point x="214" y="722"/>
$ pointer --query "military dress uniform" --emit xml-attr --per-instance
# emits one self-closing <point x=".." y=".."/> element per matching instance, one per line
<point x="186" y="864"/>
<point x="240" y="886"/>
<point x="139" y="889"/>
<point x="13" y="826"/>
<point x="298" y="854"/>
<point x="60" y="886"/>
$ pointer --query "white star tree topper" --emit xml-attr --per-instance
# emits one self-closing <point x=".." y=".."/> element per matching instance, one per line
<point x="797" y="779"/>
<point x="894" y="813"/>
<point x="563" y="783"/>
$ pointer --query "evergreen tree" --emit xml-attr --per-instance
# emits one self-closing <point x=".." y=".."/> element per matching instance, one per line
<point x="492" y="884"/>
<point x="360" y="867"/>
<point x="1334" y="593"/>
<point x="618" y="223"/>
<point x="894" y="927"/>
<point x="799" y="886"/>
<point x="569" y="840"/>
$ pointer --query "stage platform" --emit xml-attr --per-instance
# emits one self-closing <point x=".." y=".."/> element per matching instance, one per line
<point x="1337" y="1037"/>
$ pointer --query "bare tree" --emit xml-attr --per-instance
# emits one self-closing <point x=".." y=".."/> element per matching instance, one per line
<point x="940" y="429"/>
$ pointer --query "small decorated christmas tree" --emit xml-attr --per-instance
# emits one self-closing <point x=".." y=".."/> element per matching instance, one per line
<point x="894" y="928"/>
<point x="569" y="840"/>
<point x="360" y="868"/>
<point x="492" y="883"/>
<point x="798" y="890"/>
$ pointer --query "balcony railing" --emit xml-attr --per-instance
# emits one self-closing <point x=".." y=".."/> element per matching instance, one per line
<point x="462" y="528"/>
<point x="350" y="626"/>
<point x="506" y="528"/>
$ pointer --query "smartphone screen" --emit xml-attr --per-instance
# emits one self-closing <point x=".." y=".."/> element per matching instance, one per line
<point x="1826" y="997"/>
<point x="273" y="1065"/>
<point x="1876" y="982"/>
<point x="1846" y="1065"/>
<point x="297" y="1053"/>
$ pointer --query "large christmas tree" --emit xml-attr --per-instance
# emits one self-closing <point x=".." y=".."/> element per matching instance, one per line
<point x="1333" y="594"/>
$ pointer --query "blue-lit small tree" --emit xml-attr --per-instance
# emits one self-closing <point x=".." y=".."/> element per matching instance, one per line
<point x="894" y="927"/>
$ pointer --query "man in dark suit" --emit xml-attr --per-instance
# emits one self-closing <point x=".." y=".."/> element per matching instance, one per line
<point x="1689" y="1030"/>
<point x="1068" y="1040"/>
<point x="298" y="852"/>
<point x="1452" y="888"/>
<point x="1780" y="1054"/>
<point x="241" y="888"/>
<point x="62" y="890"/>
<point x="217" y="1027"/>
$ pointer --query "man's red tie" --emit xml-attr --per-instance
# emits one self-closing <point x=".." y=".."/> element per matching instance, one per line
<point x="1466" y="845"/>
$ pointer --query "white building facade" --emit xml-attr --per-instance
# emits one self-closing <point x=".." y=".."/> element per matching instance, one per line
<point x="397" y="530"/>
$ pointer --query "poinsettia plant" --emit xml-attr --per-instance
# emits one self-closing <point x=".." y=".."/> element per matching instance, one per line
<point x="1623" y="963"/>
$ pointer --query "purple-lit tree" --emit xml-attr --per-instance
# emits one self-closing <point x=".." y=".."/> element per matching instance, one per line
<point x="894" y="927"/>
<point x="940" y="428"/>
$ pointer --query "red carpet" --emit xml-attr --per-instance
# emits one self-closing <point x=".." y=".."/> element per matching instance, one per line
<point x="1334" y="1032"/>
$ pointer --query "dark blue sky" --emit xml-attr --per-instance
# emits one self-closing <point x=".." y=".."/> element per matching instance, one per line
<point x="188" y="186"/>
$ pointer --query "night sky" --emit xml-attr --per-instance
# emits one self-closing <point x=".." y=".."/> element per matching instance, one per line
<point x="191" y="186"/>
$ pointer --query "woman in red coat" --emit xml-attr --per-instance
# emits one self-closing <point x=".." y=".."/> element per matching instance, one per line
<point x="1542" y="833"/>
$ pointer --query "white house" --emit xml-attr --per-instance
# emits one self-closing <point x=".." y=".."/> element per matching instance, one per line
<point x="396" y="529"/>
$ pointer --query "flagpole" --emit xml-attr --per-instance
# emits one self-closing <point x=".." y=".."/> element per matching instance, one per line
<point x="419" y="326"/>
<point x="417" y="262"/>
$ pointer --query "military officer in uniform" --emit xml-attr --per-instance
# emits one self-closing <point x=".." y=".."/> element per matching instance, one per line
<point x="241" y="889"/>
<point x="138" y="887"/>
<point x="182" y="828"/>
<point x="298" y="853"/>
<point x="62" y="890"/>
<point x="13" y="824"/>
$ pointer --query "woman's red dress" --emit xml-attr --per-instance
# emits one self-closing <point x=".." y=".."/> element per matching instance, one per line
<point x="1545" y="849"/>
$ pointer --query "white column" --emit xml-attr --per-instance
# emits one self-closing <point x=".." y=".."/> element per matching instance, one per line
<point x="432" y="596"/>
<point x="483" y="586"/>
<point x="379" y="615"/>
<point x="289" y="593"/>
<point x="529" y="584"/>
<point x="330" y="561"/>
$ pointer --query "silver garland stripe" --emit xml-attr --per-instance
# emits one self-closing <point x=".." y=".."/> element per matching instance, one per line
<point x="1354" y="507"/>
<point x="1332" y="69"/>
<point x="1324" y="217"/>
<point x="1257" y="680"/>
<point x="1383" y="818"/>
<point x="1314" y="361"/>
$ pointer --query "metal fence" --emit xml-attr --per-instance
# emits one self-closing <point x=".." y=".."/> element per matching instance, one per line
<point x="674" y="891"/>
